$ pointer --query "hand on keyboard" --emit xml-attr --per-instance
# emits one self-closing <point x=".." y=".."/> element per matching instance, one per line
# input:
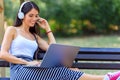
<point x="33" y="63"/>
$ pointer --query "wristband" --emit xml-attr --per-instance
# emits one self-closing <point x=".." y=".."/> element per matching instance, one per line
<point x="48" y="32"/>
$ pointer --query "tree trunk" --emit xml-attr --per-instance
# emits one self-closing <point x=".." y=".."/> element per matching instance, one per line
<point x="2" y="71"/>
<point x="1" y="20"/>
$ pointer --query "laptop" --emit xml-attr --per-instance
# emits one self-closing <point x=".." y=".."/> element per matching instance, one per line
<point x="59" y="55"/>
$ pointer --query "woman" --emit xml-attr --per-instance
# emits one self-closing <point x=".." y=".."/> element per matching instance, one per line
<point x="19" y="45"/>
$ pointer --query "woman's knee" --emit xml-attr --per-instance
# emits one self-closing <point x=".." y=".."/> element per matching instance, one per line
<point x="91" y="77"/>
<point x="74" y="69"/>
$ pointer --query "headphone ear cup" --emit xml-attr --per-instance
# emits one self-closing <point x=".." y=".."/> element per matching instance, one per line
<point x="20" y="15"/>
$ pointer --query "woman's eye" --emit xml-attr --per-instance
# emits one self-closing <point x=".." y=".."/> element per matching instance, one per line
<point x="30" y="15"/>
<point x="37" y="16"/>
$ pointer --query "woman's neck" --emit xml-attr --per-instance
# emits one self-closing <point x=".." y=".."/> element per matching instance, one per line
<point x="25" y="28"/>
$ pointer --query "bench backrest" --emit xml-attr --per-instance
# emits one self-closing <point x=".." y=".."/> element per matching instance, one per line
<point x="98" y="58"/>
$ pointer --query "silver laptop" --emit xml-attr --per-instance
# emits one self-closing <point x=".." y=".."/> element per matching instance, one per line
<point x="59" y="55"/>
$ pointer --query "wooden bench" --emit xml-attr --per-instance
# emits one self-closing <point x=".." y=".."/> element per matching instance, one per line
<point x="90" y="58"/>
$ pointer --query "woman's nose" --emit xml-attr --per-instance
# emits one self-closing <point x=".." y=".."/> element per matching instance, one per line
<point x="35" y="19"/>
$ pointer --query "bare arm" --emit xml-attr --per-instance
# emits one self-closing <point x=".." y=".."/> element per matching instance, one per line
<point x="51" y="39"/>
<point x="4" y="54"/>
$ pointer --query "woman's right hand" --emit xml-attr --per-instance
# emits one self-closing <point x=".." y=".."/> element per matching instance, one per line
<point x="33" y="63"/>
<point x="43" y="23"/>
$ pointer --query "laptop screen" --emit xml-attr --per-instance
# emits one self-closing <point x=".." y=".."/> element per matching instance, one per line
<point x="59" y="55"/>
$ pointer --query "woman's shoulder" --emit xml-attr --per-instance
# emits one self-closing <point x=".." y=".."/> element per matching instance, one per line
<point x="10" y="30"/>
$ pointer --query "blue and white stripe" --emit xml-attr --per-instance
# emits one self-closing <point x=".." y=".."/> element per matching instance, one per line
<point x="20" y="72"/>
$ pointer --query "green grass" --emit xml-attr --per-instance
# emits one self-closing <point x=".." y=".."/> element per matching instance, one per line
<point x="92" y="41"/>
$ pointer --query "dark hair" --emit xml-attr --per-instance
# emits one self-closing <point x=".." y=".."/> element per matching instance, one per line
<point x="25" y="9"/>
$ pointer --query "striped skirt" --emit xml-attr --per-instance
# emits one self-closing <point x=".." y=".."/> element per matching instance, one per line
<point x="19" y="72"/>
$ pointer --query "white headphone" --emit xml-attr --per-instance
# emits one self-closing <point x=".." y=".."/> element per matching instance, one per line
<point x="20" y="13"/>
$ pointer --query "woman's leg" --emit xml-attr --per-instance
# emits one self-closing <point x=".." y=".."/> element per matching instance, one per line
<point x="108" y="76"/>
<point x="91" y="77"/>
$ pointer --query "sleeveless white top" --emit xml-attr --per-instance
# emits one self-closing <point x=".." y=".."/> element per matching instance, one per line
<point x="22" y="46"/>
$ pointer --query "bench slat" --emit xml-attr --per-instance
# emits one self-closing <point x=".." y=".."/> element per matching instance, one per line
<point x="98" y="57"/>
<point x="4" y="63"/>
<point x="4" y="78"/>
<point x="92" y="49"/>
<point x="113" y="66"/>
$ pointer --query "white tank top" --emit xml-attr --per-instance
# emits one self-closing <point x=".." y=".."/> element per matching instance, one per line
<point x="22" y="46"/>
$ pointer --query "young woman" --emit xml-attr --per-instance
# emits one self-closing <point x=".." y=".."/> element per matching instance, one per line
<point x="19" y="45"/>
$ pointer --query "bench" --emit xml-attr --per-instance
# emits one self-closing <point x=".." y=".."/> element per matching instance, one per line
<point x="90" y="58"/>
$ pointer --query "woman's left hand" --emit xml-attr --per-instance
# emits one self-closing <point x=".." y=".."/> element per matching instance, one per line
<point x="43" y="24"/>
<point x="33" y="63"/>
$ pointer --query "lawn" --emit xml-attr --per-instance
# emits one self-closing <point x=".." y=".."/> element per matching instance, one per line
<point x="91" y="41"/>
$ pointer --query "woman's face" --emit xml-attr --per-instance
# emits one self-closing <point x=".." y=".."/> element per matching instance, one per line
<point x="31" y="17"/>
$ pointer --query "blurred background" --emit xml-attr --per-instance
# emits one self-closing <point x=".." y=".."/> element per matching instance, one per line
<point x="74" y="17"/>
<point x="91" y="23"/>
<point x="84" y="23"/>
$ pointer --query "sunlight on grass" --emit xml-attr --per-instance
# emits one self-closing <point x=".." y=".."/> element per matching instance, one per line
<point x="97" y="72"/>
<point x="95" y="41"/>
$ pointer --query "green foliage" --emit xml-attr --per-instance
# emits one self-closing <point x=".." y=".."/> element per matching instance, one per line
<point x="11" y="8"/>
<point x="74" y="17"/>
<point x="102" y="14"/>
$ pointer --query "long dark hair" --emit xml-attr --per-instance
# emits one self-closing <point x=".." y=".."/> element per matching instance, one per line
<point x="25" y="9"/>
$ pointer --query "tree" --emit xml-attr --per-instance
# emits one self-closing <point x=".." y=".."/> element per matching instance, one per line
<point x="21" y="1"/>
<point x="1" y="20"/>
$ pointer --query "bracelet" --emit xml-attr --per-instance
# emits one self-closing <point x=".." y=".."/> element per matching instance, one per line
<point x="48" y="32"/>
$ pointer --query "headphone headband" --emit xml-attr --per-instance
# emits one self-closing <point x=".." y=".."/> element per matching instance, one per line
<point x="20" y="13"/>
<point x="22" y="5"/>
